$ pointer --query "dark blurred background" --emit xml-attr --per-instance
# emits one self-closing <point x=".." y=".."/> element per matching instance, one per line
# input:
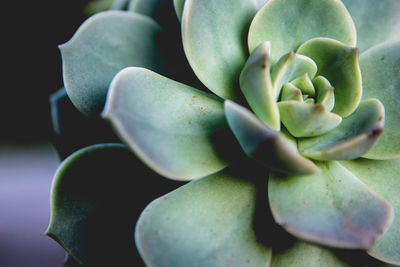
<point x="31" y="32"/>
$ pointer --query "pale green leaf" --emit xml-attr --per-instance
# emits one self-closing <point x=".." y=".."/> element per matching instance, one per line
<point x="145" y="7"/>
<point x="332" y="208"/>
<point x="304" y="254"/>
<point x="376" y="21"/>
<point x="339" y="64"/>
<point x="291" y="92"/>
<point x="169" y="125"/>
<point x="208" y="222"/>
<point x="287" y="24"/>
<point x="302" y="119"/>
<point x="103" y="45"/>
<point x="382" y="176"/>
<point x="213" y="35"/>
<point x="290" y="67"/>
<point x="325" y="92"/>
<point x="380" y="67"/>
<point x="264" y="144"/>
<point x="256" y="85"/>
<point x="352" y="138"/>
<point x="178" y="6"/>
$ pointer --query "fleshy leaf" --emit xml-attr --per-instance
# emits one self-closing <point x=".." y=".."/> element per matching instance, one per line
<point x="167" y="124"/>
<point x="306" y="255"/>
<point x="256" y="85"/>
<point x="380" y="67"/>
<point x="352" y="138"/>
<point x="214" y="43"/>
<point x="265" y="145"/>
<point x="339" y="64"/>
<point x="306" y="120"/>
<point x="178" y="6"/>
<point x="291" y="92"/>
<point x="376" y="21"/>
<point x="103" y="45"/>
<point x="92" y="188"/>
<point x="332" y="208"/>
<point x="383" y="177"/>
<point x="305" y="84"/>
<point x="325" y="92"/>
<point x="145" y="7"/>
<point x="290" y="67"/>
<point x="208" y="222"/>
<point x="278" y="22"/>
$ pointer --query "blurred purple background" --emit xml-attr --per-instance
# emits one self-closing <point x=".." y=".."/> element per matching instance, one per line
<point x="31" y="71"/>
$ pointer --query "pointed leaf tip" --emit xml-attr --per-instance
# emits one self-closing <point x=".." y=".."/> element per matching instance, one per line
<point x="264" y="144"/>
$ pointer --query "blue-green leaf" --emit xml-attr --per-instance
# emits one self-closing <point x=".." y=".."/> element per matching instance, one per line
<point x="102" y="46"/>
<point x="169" y="125"/>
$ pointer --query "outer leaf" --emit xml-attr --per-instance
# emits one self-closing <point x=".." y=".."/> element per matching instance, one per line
<point x="339" y="64"/>
<point x="167" y="124"/>
<point x="95" y="207"/>
<point x="303" y="254"/>
<point x="178" y="5"/>
<point x="256" y="85"/>
<point x="267" y="146"/>
<point x="382" y="177"/>
<point x="103" y="45"/>
<point x="208" y="222"/>
<point x="380" y="67"/>
<point x="306" y="120"/>
<point x="331" y="208"/>
<point x="352" y="138"/>
<point x="214" y="42"/>
<point x="376" y="21"/>
<point x="145" y="7"/>
<point x="278" y="22"/>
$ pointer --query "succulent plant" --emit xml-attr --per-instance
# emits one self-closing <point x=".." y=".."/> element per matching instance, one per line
<point x="286" y="154"/>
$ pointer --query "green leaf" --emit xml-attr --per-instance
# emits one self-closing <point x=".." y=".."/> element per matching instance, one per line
<point x="289" y="67"/>
<point x="380" y="67"/>
<point x="325" y="92"/>
<point x="102" y="46"/>
<point x="305" y="84"/>
<point x="265" y="145"/>
<point x="208" y="222"/>
<point x="352" y="138"/>
<point x="383" y="177"/>
<point x="178" y="6"/>
<point x="278" y="22"/>
<point x="306" y="120"/>
<point x="332" y="208"/>
<point x="169" y="125"/>
<point x="97" y="195"/>
<point x="339" y="64"/>
<point x="256" y="85"/>
<point x="214" y="42"/>
<point x="303" y="254"/>
<point x="145" y="7"/>
<point x="376" y="21"/>
<point x="291" y="92"/>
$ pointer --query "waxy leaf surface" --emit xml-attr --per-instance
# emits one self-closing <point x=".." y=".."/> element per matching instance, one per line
<point x="382" y="176"/>
<point x="332" y="208"/>
<point x="352" y="138"/>
<point x="208" y="222"/>
<point x="256" y="85"/>
<point x="287" y="24"/>
<point x="380" y="67"/>
<point x="339" y="64"/>
<point x="376" y="21"/>
<point x="106" y="43"/>
<point x="167" y="124"/>
<point x="213" y="35"/>
<point x="264" y="144"/>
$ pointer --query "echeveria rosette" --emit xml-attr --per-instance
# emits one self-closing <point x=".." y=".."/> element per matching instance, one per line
<point x="317" y="117"/>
